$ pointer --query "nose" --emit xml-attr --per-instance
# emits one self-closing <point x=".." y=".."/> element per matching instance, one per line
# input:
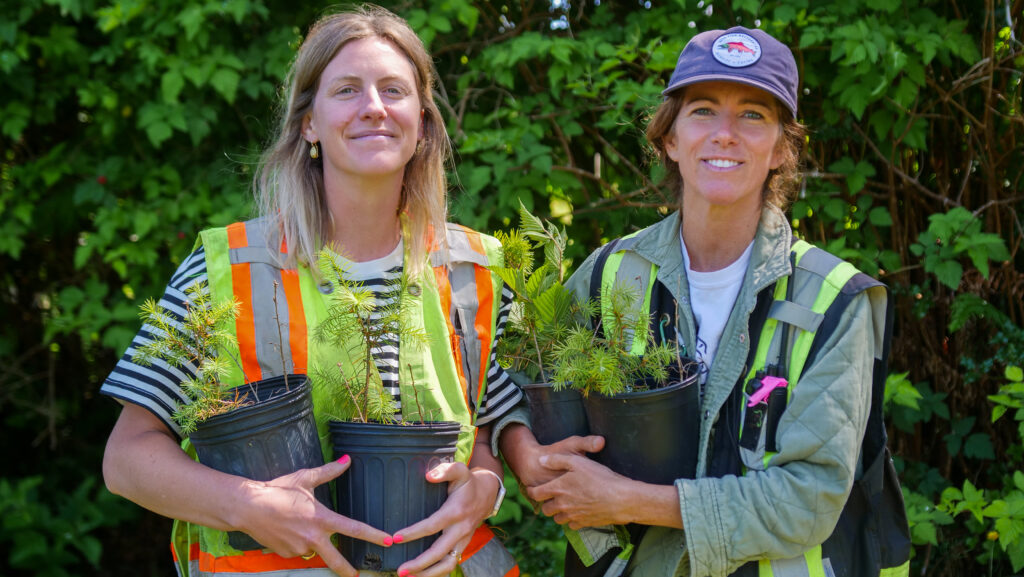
<point x="724" y="133"/>
<point x="373" y="105"/>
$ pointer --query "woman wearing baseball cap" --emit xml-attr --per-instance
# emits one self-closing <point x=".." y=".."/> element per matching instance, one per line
<point x="791" y="342"/>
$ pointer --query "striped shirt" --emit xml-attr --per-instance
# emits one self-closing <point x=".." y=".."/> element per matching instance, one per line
<point x="157" y="387"/>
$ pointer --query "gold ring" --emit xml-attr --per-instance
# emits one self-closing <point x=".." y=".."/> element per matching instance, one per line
<point x="457" y="555"/>
<point x="310" y="556"/>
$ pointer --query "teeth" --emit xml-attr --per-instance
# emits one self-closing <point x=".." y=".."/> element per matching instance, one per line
<point x="720" y="163"/>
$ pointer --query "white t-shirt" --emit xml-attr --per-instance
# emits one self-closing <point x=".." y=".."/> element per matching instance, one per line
<point x="712" y="296"/>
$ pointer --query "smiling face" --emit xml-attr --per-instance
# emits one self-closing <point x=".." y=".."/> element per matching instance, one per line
<point x="366" y="113"/>
<point x="725" y="140"/>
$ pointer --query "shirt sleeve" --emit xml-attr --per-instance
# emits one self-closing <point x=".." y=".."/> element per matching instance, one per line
<point x="157" y="386"/>
<point x="502" y="393"/>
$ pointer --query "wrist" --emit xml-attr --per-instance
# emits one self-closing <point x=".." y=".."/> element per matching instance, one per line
<point x="497" y="494"/>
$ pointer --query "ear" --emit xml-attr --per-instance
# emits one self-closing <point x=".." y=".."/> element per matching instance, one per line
<point x="778" y="151"/>
<point x="308" y="131"/>
<point x="668" y="142"/>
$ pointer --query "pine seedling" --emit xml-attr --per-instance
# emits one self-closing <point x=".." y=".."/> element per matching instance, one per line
<point x="357" y="326"/>
<point x="589" y="361"/>
<point x="198" y="340"/>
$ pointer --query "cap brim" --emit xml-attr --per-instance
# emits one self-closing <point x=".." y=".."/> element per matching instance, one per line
<point x="730" y="78"/>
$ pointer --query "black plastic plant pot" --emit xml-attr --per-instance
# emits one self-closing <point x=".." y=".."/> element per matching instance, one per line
<point x="386" y="485"/>
<point x="555" y="415"/>
<point x="650" y="436"/>
<point x="274" y="435"/>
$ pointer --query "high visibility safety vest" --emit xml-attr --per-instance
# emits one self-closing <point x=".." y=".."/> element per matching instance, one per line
<point x="457" y="299"/>
<point x="872" y="537"/>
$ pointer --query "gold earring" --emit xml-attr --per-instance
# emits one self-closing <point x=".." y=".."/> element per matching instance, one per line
<point x="314" y="151"/>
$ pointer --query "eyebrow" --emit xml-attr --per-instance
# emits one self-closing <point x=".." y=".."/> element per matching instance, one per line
<point x="356" y="77"/>
<point x="714" y="100"/>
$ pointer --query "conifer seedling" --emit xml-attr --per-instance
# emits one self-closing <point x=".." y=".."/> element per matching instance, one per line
<point x="199" y="341"/>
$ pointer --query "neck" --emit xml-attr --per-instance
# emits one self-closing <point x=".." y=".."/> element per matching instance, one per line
<point x="715" y="237"/>
<point x="364" y="218"/>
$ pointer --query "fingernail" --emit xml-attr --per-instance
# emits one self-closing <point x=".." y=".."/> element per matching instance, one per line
<point x="388" y="541"/>
<point x="343" y="460"/>
<point x="399" y="539"/>
<point x="403" y="572"/>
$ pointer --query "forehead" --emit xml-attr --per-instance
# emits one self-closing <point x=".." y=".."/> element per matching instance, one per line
<point x="721" y="91"/>
<point x="369" y="58"/>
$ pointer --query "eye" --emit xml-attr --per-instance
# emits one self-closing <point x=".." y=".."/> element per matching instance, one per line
<point x="753" y="115"/>
<point x="396" y="91"/>
<point x="701" y="111"/>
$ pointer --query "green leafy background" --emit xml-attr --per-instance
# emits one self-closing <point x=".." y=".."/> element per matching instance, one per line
<point x="126" y="126"/>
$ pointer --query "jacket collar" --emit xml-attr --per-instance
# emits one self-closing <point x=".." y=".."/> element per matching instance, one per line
<point x="769" y="259"/>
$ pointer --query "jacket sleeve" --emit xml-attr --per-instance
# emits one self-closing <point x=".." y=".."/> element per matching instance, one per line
<point x="795" y="503"/>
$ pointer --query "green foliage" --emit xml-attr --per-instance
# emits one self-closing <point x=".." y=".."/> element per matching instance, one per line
<point x="202" y="341"/>
<point x="357" y="325"/>
<point x="602" y="361"/>
<point x="1010" y="396"/>
<point x="949" y="237"/>
<point x="53" y="533"/>
<point x="543" y="309"/>
<point x="125" y="127"/>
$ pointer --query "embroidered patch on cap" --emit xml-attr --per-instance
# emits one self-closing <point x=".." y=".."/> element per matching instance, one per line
<point x="736" y="50"/>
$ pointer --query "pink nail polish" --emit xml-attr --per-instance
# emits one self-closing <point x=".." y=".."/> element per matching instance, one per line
<point x="343" y="460"/>
<point x="388" y="541"/>
<point x="403" y="572"/>
<point x="399" y="539"/>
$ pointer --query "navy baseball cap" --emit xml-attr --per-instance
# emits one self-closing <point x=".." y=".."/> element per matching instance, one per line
<point x="741" y="55"/>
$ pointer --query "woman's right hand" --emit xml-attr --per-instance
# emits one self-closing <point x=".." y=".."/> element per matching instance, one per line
<point x="286" y="518"/>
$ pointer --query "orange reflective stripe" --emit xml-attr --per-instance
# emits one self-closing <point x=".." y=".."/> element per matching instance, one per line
<point x="245" y="324"/>
<point x="513" y="572"/>
<point x="236" y="235"/>
<point x="484" y="316"/>
<point x="481" y="537"/>
<point x="444" y="291"/>
<point x="255" y="562"/>
<point x="474" y="241"/>
<point x="297" y="341"/>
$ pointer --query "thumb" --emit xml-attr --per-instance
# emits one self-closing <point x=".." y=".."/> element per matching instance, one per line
<point x="557" y="461"/>
<point x="448" y="472"/>
<point x="593" y="443"/>
<point x="581" y="445"/>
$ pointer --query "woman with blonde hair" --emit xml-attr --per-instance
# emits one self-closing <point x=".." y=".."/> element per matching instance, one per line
<point x="357" y="167"/>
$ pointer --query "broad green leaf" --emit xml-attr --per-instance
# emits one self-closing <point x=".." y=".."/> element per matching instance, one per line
<point x="225" y="82"/>
<point x="171" y="84"/>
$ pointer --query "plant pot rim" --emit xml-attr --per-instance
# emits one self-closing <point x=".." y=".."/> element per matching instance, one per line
<point x="650" y="392"/>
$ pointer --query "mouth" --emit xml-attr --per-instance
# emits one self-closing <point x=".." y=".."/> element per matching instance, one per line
<point x="722" y="162"/>
<point x="372" y="134"/>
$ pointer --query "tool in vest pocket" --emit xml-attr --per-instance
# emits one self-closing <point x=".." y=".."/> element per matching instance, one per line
<point x="766" y="400"/>
<point x="769" y="384"/>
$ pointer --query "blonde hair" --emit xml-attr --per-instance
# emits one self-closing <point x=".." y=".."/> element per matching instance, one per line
<point x="779" y="186"/>
<point x="289" y="184"/>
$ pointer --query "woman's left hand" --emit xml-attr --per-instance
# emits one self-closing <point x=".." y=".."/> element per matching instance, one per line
<point x="471" y="497"/>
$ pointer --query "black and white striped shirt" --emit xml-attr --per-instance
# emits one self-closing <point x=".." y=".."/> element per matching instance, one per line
<point x="157" y="387"/>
